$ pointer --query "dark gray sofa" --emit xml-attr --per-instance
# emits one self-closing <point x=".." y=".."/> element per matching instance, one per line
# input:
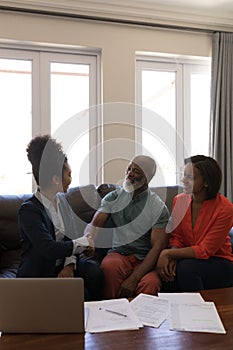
<point x="84" y="200"/>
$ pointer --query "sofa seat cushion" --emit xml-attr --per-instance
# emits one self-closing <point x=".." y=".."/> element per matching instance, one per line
<point x="84" y="201"/>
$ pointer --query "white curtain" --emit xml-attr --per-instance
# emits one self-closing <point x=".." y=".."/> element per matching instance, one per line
<point x="221" y="138"/>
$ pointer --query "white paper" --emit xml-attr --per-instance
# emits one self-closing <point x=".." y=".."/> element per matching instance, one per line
<point x="192" y="298"/>
<point x="201" y="317"/>
<point x="86" y="315"/>
<point x="151" y="310"/>
<point x="101" y="318"/>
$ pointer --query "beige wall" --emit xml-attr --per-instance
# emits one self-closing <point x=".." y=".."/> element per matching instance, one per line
<point x="118" y="45"/>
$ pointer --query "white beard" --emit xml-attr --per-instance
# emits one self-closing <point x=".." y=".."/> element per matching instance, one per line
<point x="129" y="187"/>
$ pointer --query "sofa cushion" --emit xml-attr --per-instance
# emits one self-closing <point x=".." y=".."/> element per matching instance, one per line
<point x="104" y="189"/>
<point x="84" y="201"/>
<point x="167" y="194"/>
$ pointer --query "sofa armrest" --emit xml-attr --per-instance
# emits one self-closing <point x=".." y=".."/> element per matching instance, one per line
<point x="9" y="232"/>
<point x="9" y="263"/>
<point x="231" y="237"/>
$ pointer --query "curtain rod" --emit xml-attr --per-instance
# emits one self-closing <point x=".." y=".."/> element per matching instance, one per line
<point x="102" y="19"/>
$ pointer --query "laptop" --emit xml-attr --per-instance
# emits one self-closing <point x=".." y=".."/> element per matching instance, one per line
<point x="41" y="305"/>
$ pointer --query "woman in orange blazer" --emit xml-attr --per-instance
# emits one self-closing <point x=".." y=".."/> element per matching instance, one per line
<point x="200" y="252"/>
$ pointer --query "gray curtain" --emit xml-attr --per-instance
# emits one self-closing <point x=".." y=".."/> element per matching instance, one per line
<point x="221" y="138"/>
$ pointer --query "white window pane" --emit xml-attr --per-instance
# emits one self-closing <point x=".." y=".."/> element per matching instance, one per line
<point x="159" y="96"/>
<point x="200" y="110"/>
<point x="16" y="125"/>
<point x="158" y="93"/>
<point x="78" y="156"/>
<point x="165" y="174"/>
<point x="69" y="97"/>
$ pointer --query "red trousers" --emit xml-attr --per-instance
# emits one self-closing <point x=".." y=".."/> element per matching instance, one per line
<point x="117" y="268"/>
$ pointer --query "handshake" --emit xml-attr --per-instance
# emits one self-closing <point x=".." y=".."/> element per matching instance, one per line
<point x="84" y="245"/>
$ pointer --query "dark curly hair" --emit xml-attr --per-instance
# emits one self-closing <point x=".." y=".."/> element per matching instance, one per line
<point x="47" y="159"/>
<point x="210" y="171"/>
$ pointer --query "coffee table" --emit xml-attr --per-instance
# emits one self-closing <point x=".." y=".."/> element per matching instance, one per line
<point x="146" y="338"/>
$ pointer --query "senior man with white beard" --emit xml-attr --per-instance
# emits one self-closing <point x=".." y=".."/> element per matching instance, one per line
<point x="140" y="218"/>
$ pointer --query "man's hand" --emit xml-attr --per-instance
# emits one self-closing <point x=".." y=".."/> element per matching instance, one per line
<point x="67" y="271"/>
<point x="128" y="287"/>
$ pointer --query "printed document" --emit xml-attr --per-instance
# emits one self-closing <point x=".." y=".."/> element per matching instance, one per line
<point x="191" y="297"/>
<point x="195" y="317"/>
<point x="110" y="315"/>
<point x="151" y="310"/>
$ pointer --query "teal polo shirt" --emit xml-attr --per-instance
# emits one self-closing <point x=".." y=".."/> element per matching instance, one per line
<point x="133" y="219"/>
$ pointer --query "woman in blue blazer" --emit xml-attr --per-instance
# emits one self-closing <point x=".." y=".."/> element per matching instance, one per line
<point x="50" y="242"/>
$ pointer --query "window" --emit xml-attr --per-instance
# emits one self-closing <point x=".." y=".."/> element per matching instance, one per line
<point x="173" y="111"/>
<point x="47" y="92"/>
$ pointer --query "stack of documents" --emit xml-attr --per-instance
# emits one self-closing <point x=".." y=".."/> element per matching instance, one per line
<point x="184" y="311"/>
<point x="189" y="312"/>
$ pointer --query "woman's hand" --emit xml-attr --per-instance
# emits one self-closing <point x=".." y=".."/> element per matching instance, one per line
<point x="172" y="269"/>
<point x="166" y="266"/>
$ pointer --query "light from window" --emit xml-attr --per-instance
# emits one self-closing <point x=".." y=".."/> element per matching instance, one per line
<point x="200" y="109"/>
<point x="16" y="125"/>
<point x="70" y="97"/>
<point x="159" y="96"/>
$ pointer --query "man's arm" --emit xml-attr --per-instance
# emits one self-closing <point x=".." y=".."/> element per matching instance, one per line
<point x="95" y="225"/>
<point x="159" y="241"/>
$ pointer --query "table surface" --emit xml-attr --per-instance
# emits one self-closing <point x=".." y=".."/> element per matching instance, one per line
<point x="145" y="338"/>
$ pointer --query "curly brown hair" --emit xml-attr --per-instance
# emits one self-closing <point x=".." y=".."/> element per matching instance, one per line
<point x="47" y="158"/>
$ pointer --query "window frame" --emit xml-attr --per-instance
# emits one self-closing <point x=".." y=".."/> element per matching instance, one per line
<point x="182" y="66"/>
<point x="41" y="56"/>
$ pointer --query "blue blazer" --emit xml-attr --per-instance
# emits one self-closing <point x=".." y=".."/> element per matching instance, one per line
<point x="39" y="248"/>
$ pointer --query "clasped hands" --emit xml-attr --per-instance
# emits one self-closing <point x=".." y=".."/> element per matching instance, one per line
<point x="166" y="266"/>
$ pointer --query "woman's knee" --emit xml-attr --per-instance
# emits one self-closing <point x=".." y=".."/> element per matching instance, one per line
<point x="188" y="277"/>
<point x="185" y="267"/>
